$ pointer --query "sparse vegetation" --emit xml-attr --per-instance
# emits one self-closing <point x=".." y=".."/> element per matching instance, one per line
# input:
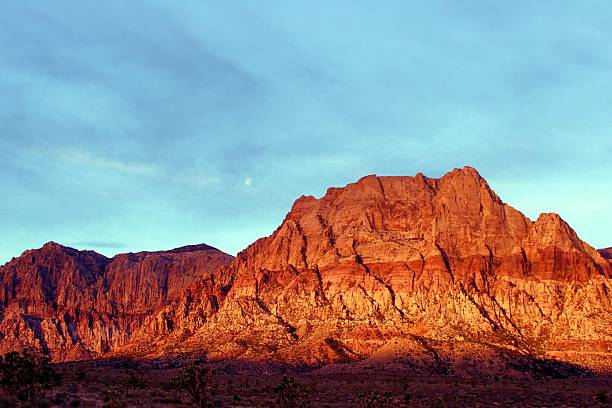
<point x="291" y="394"/>
<point x="374" y="399"/>
<point x="162" y="384"/>
<point x="196" y="379"/>
<point x="134" y="380"/>
<point x="27" y="377"/>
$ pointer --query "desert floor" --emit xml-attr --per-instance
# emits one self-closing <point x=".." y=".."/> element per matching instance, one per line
<point x="130" y="384"/>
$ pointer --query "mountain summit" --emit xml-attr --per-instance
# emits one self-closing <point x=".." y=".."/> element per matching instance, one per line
<point x="76" y="304"/>
<point x="396" y="257"/>
<point x="386" y="261"/>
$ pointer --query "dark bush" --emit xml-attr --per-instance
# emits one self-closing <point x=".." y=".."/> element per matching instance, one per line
<point x="75" y="403"/>
<point x="27" y="376"/>
<point x="197" y="381"/>
<point x="291" y="394"/>
<point x="602" y="397"/>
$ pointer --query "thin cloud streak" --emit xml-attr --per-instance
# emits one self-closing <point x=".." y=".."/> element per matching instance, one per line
<point x="100" y="162"/>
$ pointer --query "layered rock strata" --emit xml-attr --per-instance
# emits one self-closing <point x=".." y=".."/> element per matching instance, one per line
<point x="400" y="256"/>
<point x="79" y="304"/>
<point x="380" y="264"/>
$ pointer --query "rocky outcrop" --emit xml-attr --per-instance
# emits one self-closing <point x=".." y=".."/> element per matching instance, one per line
<point x="402" y="256"/>
<point x="79" y="304"/>
<point x="382" y="264"/>
<point x="606" y="253"/>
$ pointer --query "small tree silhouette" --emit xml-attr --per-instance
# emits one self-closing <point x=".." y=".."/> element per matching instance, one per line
<point x="407" y="395"/>
<point x="27" y="375"/>
<point x="112" y="398"/>
<point x="197" y="381"/>
<point x="134" y="381"/>
<point x="291" y="394"/>
<point x="82" y="375"/>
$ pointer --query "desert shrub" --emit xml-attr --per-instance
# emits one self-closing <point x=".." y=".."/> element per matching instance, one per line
<point x="8" y="401"/>
<point x="84" y="377"/>
<point x="407" y="397"/>
<point x="373" y="399"/>
<point x="134" y="380"/>
<point x="602" y="397"/>
<point x="114" y="404"/>
<point x="291" y="394"/>
<point x="437" y="403"/>
<point x="38" y="403"/>
<point x="75" y="403"/>
<point x="197" y="381"/>
<point x="59" y="398"/>
<point x="112" y="398"/>
<point x="27" y="376"/>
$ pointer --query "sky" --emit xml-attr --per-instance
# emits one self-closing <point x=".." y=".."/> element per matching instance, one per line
<point x="146" y="125"/>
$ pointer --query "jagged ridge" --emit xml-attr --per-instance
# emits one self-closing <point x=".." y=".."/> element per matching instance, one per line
<point x="411" y="259"/>
<point x="79" y="304"/>
<point x="402" y="256"/>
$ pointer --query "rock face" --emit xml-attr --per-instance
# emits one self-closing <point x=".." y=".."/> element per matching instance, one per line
<point x="381" y="264"/>
<point x="79" y="304"/>
<point x="399" y="257"/>
<point x="606" y="253"/>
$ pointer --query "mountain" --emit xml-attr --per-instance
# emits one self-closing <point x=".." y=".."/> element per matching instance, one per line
<point x="390" y="263"/>
<point x="435" y="273"/>
<point x="79" y="304"/>
<point x="606" y="252"/>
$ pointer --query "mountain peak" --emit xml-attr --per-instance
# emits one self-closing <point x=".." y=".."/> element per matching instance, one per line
<point x="54" y="246"/>
<point x="466" y="171"/>
<point x="385" y="254"/>
<point x="551" y="229"/>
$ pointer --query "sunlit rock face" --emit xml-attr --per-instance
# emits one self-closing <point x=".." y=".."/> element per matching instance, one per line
<point x="399" y="256"/>
<point x="382" y="262"/>
<point x="79" y="304"/>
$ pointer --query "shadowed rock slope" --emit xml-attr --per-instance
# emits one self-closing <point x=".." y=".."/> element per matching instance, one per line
<point x="606" y="253"/>
<point x="79" y="304"/>
<point x="396" y="260"/>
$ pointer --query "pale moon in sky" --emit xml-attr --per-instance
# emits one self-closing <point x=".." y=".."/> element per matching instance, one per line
<point x="248" y="181"/>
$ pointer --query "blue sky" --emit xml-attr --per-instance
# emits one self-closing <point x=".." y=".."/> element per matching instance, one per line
<point x="146" y="125"/>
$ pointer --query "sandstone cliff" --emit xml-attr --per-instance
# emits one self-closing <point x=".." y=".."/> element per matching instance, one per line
<point x="385" y="266"/>
<point x="79" y="304"/>
<point x="399" y="258"/>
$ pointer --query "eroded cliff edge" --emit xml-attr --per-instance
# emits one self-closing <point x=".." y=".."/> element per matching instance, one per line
<point x="79" y="304"/>
<point x="390" y="258"/>
<point x="383" y="264"/>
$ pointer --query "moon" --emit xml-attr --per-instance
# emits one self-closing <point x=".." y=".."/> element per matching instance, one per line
<point x="248" y="181"/>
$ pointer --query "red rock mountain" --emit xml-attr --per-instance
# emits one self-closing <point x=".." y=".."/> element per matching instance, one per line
<point x="390" y="259"/>
<point x="79" y="304"/>
<point x="383" y="264"/>
<point x="606" y="253"/>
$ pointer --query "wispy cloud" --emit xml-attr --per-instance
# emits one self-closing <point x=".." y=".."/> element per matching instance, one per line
<point x="195" y="180"/>
<point x="137" y="168"/>
<point x="91" y="160"/>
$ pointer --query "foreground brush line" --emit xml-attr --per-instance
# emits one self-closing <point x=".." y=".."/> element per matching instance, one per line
<point x="26" y="379"/>
<point x="170" y="383"/>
